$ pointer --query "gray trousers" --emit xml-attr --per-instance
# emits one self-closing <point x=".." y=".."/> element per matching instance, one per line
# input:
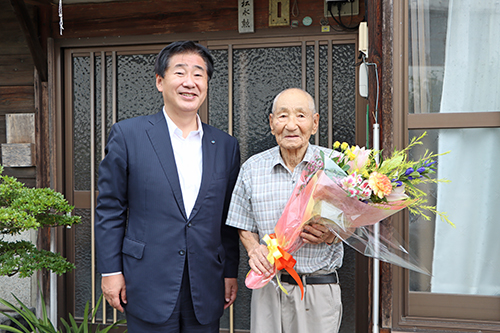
<point x="275" y="312"/>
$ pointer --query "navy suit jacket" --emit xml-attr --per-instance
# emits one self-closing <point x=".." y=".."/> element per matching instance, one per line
<point x="141" y="226"/>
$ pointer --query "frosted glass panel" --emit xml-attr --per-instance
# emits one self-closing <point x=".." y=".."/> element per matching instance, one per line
<point x="344" y="129"/>
<point x="82" y="115"/>
<point x="259" y="75"/>
<point x="343" y="93"/>
<point x="81" y="122"/>
<point x="83" y="287"/>
<point x="137" y="93"/>
<point x="218" y="98"/>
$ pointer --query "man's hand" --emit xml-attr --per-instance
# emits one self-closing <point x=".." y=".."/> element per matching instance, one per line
<point x="315" y="233"/>
<point x="258" y="260"/>
<point x="257" y="253"/>
<point x="231" y="286"/>
<point x="113" y="288"/>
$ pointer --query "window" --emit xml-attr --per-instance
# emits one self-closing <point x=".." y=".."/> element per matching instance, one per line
<point x="452" y="93"/>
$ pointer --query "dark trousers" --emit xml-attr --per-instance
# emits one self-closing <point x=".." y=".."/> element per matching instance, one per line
<point x="182" y="320"/>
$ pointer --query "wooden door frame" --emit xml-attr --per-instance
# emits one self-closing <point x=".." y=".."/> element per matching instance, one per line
<point x="62" y="140"/>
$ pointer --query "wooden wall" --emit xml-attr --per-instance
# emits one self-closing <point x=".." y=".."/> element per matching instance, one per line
<point x="122" y="18"/>
<point x="16" y="79"/>
<point x="145" y="17"/>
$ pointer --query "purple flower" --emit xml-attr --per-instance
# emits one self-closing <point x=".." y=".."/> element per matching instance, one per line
<point x="421" y="169"/>
<point x="410" y="178"/>
<point x="430" y="163"/>
<point x="408" y="171"/>
<point x="399" y="183"/>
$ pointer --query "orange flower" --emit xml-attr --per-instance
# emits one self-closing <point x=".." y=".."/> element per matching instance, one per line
<point x="380" y="184"/>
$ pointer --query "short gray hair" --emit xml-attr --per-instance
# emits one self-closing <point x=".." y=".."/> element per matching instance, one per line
<point x="312" y="106"/>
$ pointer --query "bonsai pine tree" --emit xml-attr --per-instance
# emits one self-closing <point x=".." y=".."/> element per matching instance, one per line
<point x="21" y="209"/>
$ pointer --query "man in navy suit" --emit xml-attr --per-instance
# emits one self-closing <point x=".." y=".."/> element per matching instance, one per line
<point x="166" y="256"/>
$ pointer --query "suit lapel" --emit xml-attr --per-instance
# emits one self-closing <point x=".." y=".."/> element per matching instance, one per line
<point x="160" y="139"/>
<point x="208" y="146"/>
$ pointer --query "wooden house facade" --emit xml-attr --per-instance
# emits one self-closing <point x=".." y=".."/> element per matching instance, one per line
<point x="79" y="66"/>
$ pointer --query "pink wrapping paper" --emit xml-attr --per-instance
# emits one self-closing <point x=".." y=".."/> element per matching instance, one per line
<point x="321" y="200"/>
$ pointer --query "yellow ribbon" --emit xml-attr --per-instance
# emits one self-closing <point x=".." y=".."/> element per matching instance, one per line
<point x="272" y="246"/>
<point x="274" y="253"/>
<point x="282" y="259"/>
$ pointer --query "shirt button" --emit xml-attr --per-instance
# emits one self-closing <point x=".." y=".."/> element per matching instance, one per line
<point x="189" y="225"/>
<point x="293" y="181"/>
<point x="181" y="252"/>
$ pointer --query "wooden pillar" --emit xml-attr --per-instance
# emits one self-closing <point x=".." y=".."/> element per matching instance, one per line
<point x="387" y="135"/>
<point x="42" y="177"/>
<point x="380" y="34"/>
<point x="42" y="133"/>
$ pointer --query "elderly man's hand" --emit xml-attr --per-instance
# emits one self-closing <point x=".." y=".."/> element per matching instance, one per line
<point x="257" y="253"/>
<point x="258" y="260"/>
<point x="315" y="233"/>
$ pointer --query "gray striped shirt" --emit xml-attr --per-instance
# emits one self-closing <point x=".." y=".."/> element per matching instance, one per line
<point x="261" y="192"/>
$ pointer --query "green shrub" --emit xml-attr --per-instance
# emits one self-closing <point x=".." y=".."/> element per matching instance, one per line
<point x="21" y="209"/>
<point x="44" y="325"/>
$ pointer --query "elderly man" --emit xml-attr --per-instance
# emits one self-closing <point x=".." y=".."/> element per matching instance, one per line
<point x="263" y="188"/>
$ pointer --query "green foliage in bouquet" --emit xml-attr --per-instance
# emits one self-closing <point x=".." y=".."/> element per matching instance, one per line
<point x="21" y="209"/>
<point x="44" y="325"/>
<point x="371" y="178"/>
<point x="401" y="171"/>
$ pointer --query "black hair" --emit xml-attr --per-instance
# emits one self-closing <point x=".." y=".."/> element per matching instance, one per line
<point x="180" y="47"/>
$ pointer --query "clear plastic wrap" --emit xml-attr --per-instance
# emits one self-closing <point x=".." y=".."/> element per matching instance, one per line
<point x="349" y="192"/>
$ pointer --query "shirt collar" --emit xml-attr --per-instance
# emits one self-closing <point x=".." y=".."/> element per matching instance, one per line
<point x="173" y="129"/>
<point x="278" y="160"/>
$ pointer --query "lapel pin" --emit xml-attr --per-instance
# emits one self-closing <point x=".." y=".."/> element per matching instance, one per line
<point x="213" y="141"/>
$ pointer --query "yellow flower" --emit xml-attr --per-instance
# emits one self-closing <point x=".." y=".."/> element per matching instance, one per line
<point x="351" y="155"/>
<point x="380" y="184"/>
<point x="344" y="145"/>
<point x="336" y="144"/>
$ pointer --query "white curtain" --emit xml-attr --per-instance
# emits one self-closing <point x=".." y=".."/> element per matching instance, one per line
<point x="420" y="64"/>
<point x="466" y="259"/>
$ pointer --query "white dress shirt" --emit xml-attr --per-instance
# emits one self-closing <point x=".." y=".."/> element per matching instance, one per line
<point x="188" y="159"/>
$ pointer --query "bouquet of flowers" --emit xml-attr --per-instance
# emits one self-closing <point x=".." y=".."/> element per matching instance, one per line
<point x="348" y="191"/>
